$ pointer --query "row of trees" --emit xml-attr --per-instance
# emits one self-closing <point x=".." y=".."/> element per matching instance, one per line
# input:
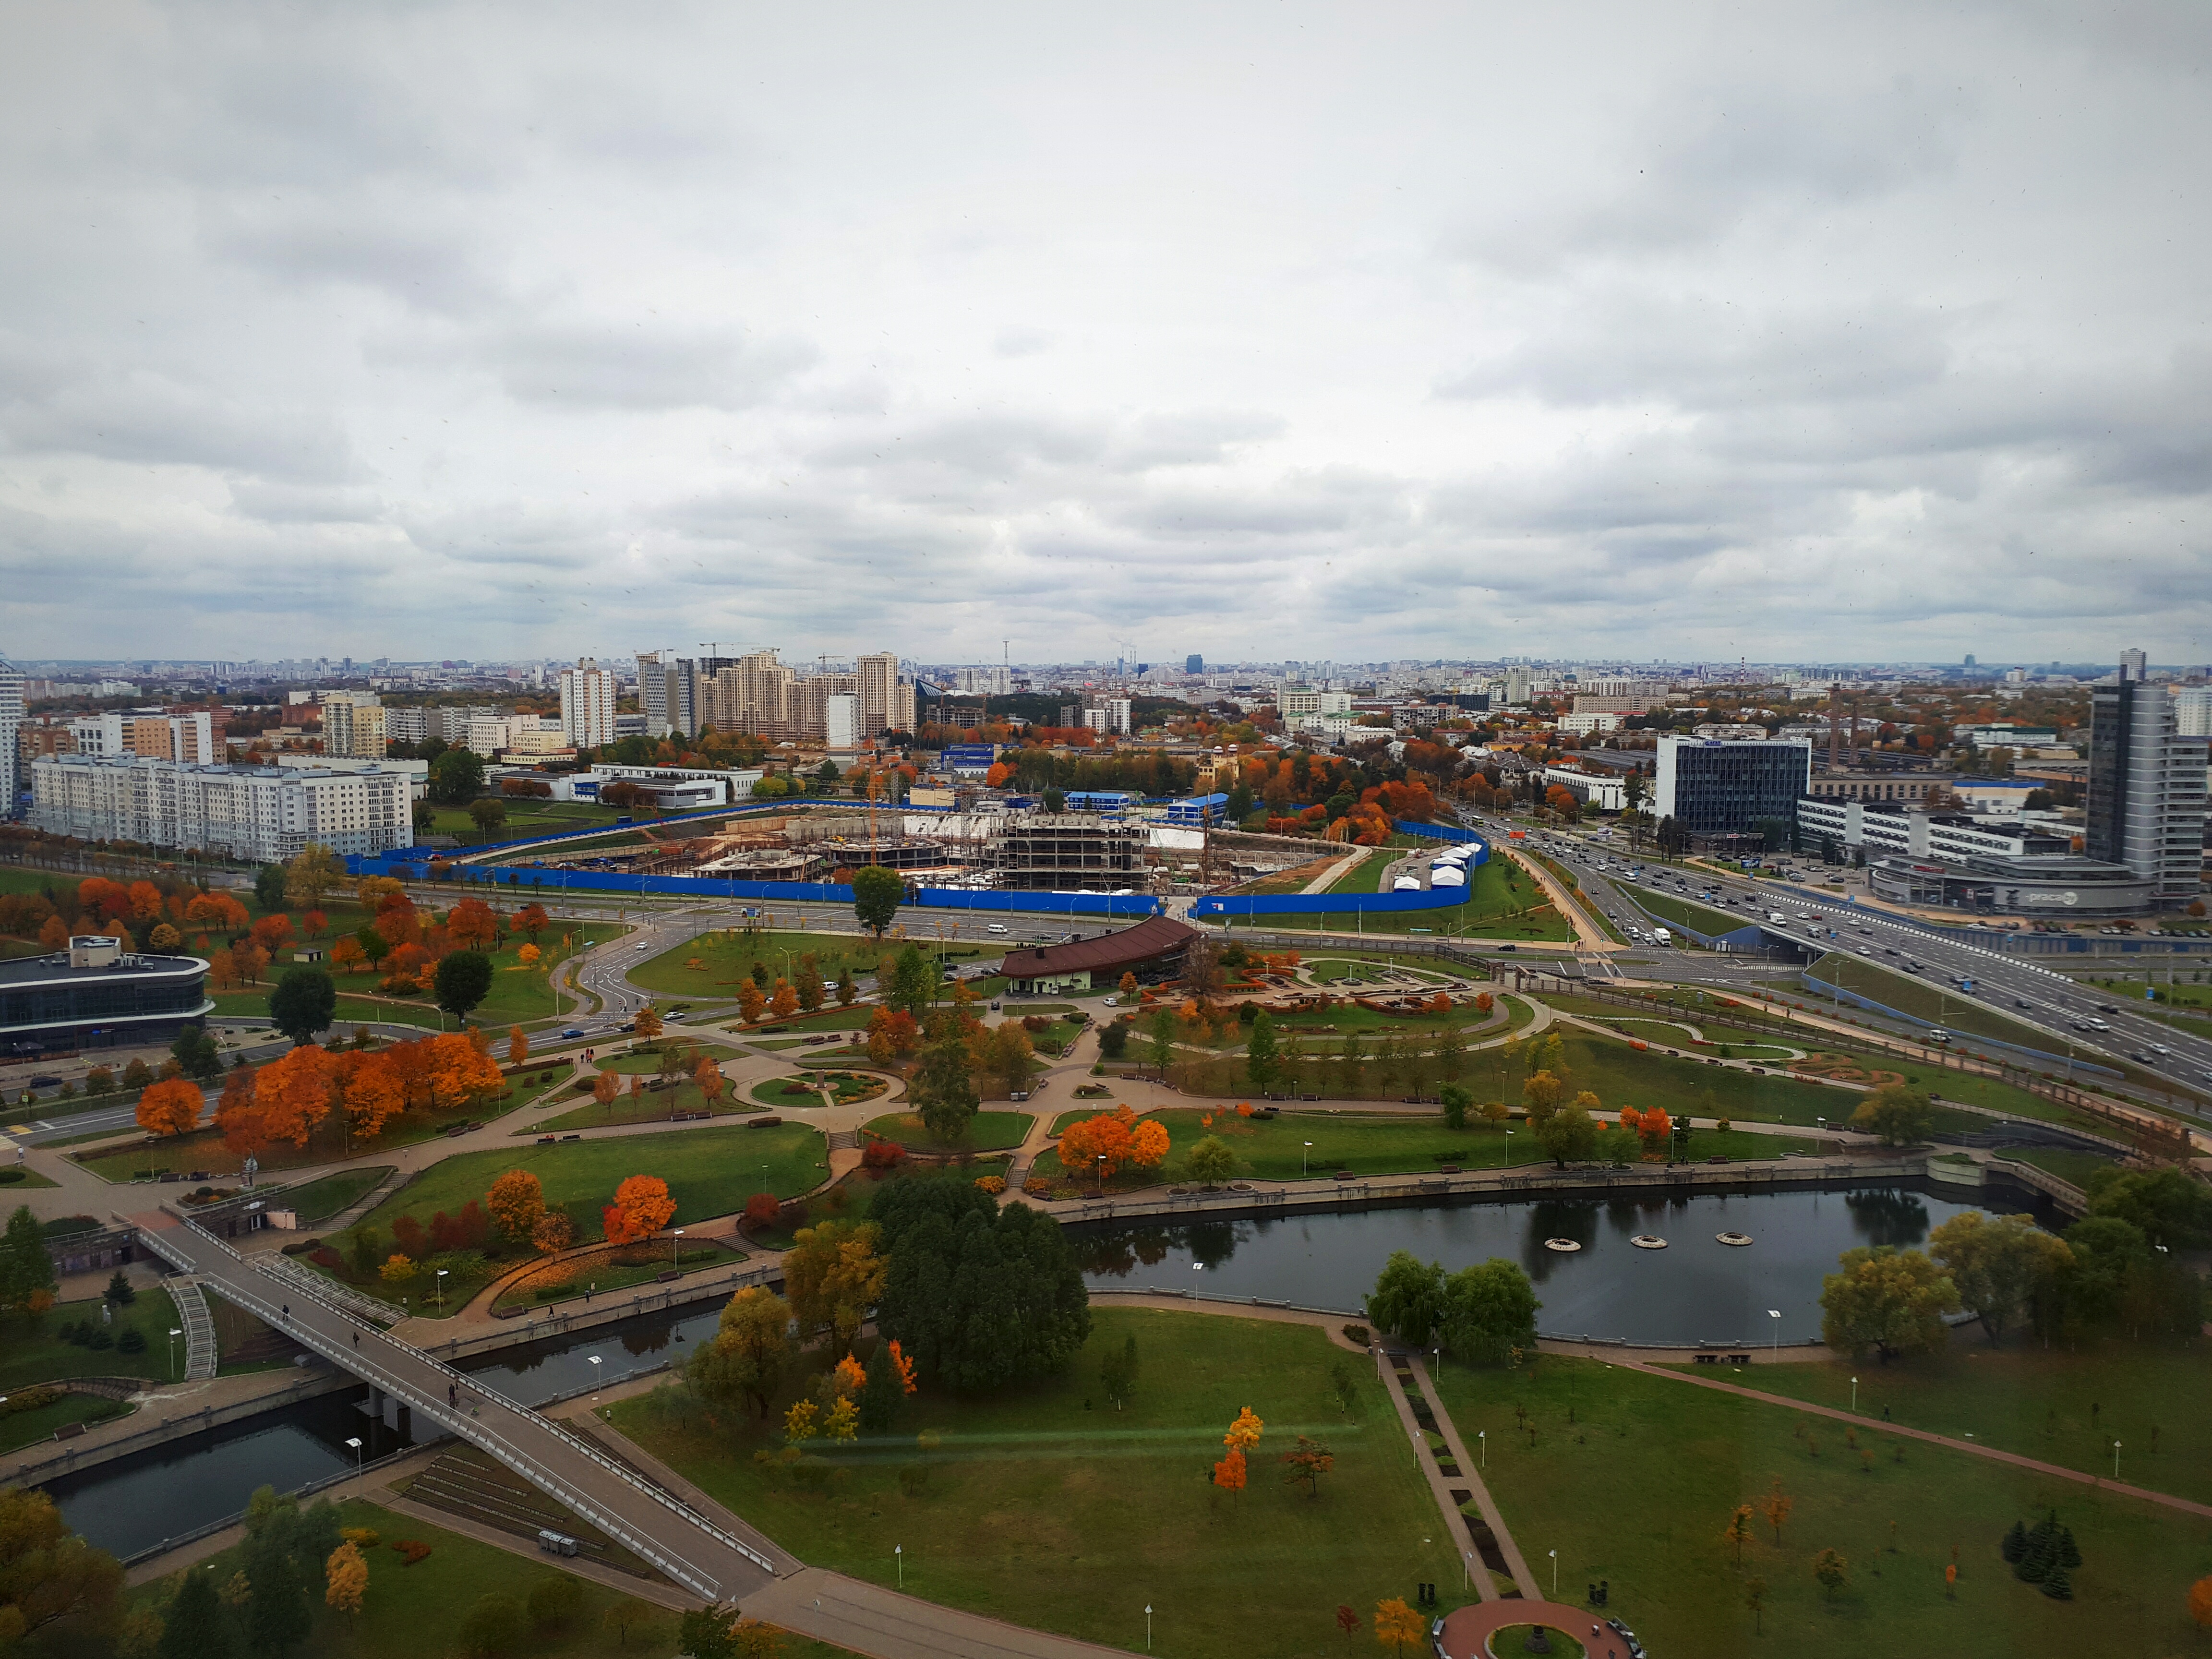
<point x="1483" y="1313"/>
<point x="2107" y="1274"/>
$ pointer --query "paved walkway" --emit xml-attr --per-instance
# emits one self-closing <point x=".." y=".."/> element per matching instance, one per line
<point x="1471" y="1472"/>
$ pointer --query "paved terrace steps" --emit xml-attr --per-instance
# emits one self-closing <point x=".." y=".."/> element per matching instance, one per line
<point x="465" y="1482"/>
<point x="683" y="1546"/>
<point x="201" y="1354"/>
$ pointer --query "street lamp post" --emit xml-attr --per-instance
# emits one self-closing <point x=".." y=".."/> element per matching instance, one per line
<point x="173" y="1335"/>
<point x="1302" y="1159"/>
<point x="1854" y="1394"/>
<point x="1102" y="1175"/>
<point x="1148" y="1627"/>
<point x="439" y="1283"/>
<point x="355" y="1443"/>
<point x="1775" y="1314"/>
<point x="1555" y="1575"/>
<point x="898" y="1553"/>
<point x="2116" y="1460"/>
<point x="672" y="1238"/>
<point x="1505" y="1158"/>
<point x="1483" y="1435"/>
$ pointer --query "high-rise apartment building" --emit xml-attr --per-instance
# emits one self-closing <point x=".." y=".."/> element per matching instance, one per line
<point x="353" y="725"/>
<point x="2192" y="711"/>
<point x="878" y="675"/>
<point x="588" y="704"/>
<point x="2146" y="806"/>
<point x="11" y="721"/>
<point x="653" y="693"/>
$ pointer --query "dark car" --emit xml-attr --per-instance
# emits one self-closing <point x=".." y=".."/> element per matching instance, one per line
<point x="44" y="1082"/>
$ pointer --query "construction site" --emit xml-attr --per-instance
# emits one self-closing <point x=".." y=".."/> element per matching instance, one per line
<point x="1004" y="851"/>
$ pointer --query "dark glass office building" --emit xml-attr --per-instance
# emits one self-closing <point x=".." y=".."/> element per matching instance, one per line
<point x="1725" y="787"/>
<point x="93" y="995"/>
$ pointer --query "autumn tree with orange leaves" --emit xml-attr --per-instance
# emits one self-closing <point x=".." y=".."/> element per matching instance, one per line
<point x="1120" y="1137"/>
<point x="294" y="1094"/>
<point x="369" y="1092"/>
<point x="641" y="1208"/>
<point x="171" y="1107"/>
<point x="1397" y="1626"/>
<point x="517" y="1202"/>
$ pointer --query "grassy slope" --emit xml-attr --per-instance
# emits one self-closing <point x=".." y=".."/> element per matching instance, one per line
<point x="1670" y="908"/>
<point x="1495" y="892"/>
<point x="986" y="1132"/>
<point x="1071" y="1520"/>
<point x="1364" y="877"/>
<point x="32" y="1353"/>
<point x="2037" y="1401"/>
<point x="333" y="1193"/>
<point x="1270" y="1149"/>
<point x="20" y="1429"/>
<point x="1638" y="1489"/>
<point x="1915" y="997"/>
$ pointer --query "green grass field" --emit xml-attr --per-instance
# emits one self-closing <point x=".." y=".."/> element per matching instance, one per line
<point x="328" y="1194"/>
<point x="407" y="1607"/>
<point x="26" y="1178"/>
<point x="727" y="957"/>
<point x="33" y="1350"/>
<point x="1049" y="1515"/>
<point x="647" y="1060"/>
<point x="2049" y="1404"/>
<point x="709" y="1172"/>
<point x="988" y="1132"/>
<point x="1918" y="999"/>
<point x="1274" y="1149"/>
<point x="20" y="1429"/>
<point x="774" y="1093"/>
<point x="1501" y="903"/>
<point x="1364" y="877"/>
<point x="1636" y="1486"/>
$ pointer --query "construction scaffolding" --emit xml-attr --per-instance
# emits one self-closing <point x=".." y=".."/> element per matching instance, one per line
<point x="1041" y="852"/>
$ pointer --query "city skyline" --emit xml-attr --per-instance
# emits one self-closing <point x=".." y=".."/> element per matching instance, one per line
<point x="1806" y="335"/>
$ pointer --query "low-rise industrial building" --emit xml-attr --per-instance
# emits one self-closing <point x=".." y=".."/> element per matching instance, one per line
<point x="2048" y="884"/>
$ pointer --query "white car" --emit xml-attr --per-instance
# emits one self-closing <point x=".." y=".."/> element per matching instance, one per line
<point x="996" y="928"/>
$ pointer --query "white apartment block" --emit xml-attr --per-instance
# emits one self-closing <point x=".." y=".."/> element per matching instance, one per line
<point x="266" y="814"/>
<point x="11" y="722"/>
<point x="189" y="738"/>
<point x="588" y="704"/>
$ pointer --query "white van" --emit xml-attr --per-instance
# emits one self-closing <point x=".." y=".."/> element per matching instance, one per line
<point x="996" y="928"/>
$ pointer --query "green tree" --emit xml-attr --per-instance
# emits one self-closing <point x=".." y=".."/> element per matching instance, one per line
<point x="979" y="1296"/>
<point x="195" y="1052"/>
<point x="1260" y="1055"/>
<point x="1457" y="1100"/>
<point x="456" y="777"/>
<point x="1892" y="1301"/>
<point x="374" y="944"/>
<point x="1117" y="1372"/>
<point x="943" y="1094"/>
<point x="876" y="893"/>
<point x="489" y="813"/>
<point x="2165" y="1206"/>
<point x="192" y="1625"/>
<point x="914" y="983"/>
<point x="1998" y="1264"/>
<point x="1408" y="1298"/>
<point x="745" y="1361"/>
<point x="555" y="1602"/>
<point x="26" y="1273"/>
<point x="1568" y="1133"/>
<point x="1113" y="1040"/>
<point x="1160" y="1031"/>
<point x="1832" y="1569"/>
<point x="304" y="1002"/>
<point x="704" y="1633"/>
<point x="424" y="816"/>
<point x="1489" y="1309"/>
<point x="269" y="887"/>
<point x="57" y="1594"/>
<point x="1899" y="1114"/>
<point x="882" y="1395"/>
<point x="313" y="872"/>
<point x="463" y="980"/>
<point x="278" y="1615"/>
<point x="496" y="1626"/>
<point x="1210" y="1162"/>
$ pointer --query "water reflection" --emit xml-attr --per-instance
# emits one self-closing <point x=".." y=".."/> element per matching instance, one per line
<point x="1697" y="1290"/>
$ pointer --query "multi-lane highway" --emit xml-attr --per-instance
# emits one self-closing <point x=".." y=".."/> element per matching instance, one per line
<point x="2071" y="1018"/>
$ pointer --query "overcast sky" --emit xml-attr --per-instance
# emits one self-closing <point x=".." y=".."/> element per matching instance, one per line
<point x="1791" y="332"/>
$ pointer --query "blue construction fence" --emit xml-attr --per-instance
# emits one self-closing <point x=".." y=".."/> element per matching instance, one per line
<point x="1308" y="904"/>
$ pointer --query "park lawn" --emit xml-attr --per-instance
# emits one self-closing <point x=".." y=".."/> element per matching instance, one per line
<point x="1052" y="1516"/>
<point x="709" y="1172"/>
<point x="1637" y="1488"/>
<point x="1366" y="1143"/>
<point x="727" y="958"/>
<point x="563" y="1277"/>
<point x="33" y="1350"/>
<point x="988" y="1132"/>
<point x="409" y="1612"/>
<point x="328" y="1195"/>
<point x="2037" y="1401"/>
<point x="22" y="1429"/>
<point x="1501" y="903"/>
<point x="802" y="1093"/>
<point x="1332" y="968"/>
<point x="2064" y="1162"/>
<point x="204" y="1149"/>
<point x="652" y="1107"/>
<point x="352" y="1009"/>
<point x="775" y="1045"/>
<point x="647" y="1060"/>
<point x="21" y="1178"/>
